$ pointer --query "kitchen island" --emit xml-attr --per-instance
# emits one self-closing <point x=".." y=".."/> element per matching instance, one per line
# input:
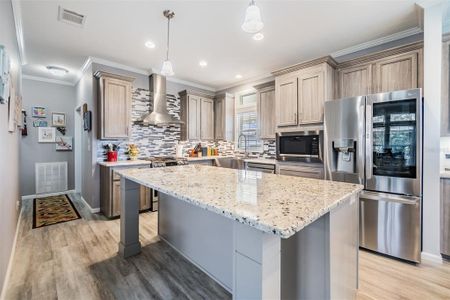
<point x="261" y="236"/>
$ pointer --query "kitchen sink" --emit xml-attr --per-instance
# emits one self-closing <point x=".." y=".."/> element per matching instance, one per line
<point x="230" y="163"/>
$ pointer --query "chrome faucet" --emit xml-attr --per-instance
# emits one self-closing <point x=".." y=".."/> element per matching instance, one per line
<point x="245" y="143"/>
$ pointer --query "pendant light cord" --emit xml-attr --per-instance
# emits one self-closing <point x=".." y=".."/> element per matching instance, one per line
<point x="168" y="35"/>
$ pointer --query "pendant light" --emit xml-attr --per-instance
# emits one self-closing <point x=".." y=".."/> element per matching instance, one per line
<point x="167" y="69"/>
<point x="252" y="22"/>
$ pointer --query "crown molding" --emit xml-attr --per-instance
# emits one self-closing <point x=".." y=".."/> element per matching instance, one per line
<point x="253" y="81"/>
<point x="377" y="42"/>
<point x="48" y="80"/>
<point x="381" y="54"/>
<point x="190" y="83"/>
<point x="326" y="59"/>
<point x="90" y="60"/>
<point x="17" y="14"/>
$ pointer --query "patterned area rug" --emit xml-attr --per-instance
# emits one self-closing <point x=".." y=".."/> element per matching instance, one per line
<point x="53" y="210"/>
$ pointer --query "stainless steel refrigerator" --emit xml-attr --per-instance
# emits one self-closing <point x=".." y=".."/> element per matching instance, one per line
<point x="376" y="141"/>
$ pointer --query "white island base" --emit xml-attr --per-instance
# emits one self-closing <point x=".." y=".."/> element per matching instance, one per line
<point x="318" y="262"/>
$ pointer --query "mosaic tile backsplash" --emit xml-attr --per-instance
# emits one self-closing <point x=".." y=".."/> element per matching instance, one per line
<point x="162" y="140"/>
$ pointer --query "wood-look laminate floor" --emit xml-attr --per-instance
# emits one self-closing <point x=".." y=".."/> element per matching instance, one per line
<point x="78" y="260"/>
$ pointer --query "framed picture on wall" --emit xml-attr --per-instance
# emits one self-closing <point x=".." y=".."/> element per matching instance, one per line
<point x="87" y="119"/>
<point x="58" y="119"/>
<point x="38" y="112"/>
<point x="47" y="135"/>
<point x="64" y="143"/>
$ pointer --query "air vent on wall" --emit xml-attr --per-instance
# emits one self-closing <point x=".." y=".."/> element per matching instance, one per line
<point x="70" y="17"/>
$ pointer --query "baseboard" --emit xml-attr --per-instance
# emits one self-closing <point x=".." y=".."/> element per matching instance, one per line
<point x="26" y="197"/>
<point x="92" y="210"/>
<point x="11" y="258"/>
<point x="431" y="257"/>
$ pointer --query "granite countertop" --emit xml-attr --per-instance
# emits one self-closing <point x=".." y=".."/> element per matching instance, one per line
<point x="279" y="204"/>
<point x="123" y="163"/>
<point x="445" y="174"/>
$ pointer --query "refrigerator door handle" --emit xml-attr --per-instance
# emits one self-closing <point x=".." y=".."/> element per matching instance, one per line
<point x="361" y="140"/>
<point x="363" y="224"/>
<point x="369" y="143"/>
<point x="410" y="200"/>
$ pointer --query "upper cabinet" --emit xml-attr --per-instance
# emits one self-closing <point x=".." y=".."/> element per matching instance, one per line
<point x="114" y="97"/>
<point x="266" y="108"/>
<point x="390" y="70"/>
<point x="355" y="81"/>
<point x="197" y="113"/>
<point x="399" y="72"/>
<point x="301" y="91"/>
<point x="224" y="117"/>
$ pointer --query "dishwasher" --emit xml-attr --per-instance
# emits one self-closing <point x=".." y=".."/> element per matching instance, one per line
<point x="260" y="167"/>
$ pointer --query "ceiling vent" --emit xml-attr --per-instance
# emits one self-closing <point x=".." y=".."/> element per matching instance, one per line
<point x="70" y="17"/>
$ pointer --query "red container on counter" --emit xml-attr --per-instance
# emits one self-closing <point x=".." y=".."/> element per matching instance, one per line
<point x="111" y="156"/>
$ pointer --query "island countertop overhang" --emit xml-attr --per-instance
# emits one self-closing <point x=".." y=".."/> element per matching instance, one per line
<point x="278" y="204"/>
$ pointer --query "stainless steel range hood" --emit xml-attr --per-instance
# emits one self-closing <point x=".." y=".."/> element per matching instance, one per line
<point x="160" y="115"/>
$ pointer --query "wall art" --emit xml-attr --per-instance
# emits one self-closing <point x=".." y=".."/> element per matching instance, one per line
<point x="58" y="119"/>
<point x="5" y="66"/>
<point x="47" y="134"/>
<point x="40" y="123"/>
<point x="87" y="118"/>
<point x="64" y="143"/>
<point x="38" y="112"/>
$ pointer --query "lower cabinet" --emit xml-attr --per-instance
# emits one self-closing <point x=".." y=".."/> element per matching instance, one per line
<point x="301" y="170"/>
<point x="110" y="194"/>
<point x="205" y="162"/>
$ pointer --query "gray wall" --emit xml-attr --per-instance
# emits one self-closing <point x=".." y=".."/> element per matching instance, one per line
<point x="86" y="92"/>
<point x="9" y="150"/>
<point x="55" y="98"/>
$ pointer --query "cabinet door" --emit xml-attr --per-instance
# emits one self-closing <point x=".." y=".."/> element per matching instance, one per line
<point x="397" y="73"/>
<point x="116" y="108"/>
<point x="207" y="119"/>
<point x="266" y="116"/>
<point x="286" y="91"/>
<point x="219" y="119"/>
<point x="144" y="198"/>
<point x="194" y="117"/>
<point x="116" y="198"/>
<point x="311" y="96"/>
<point x="355" y="81"/>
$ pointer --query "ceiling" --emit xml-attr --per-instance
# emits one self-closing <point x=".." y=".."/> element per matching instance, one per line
<point x="294" y="31"/>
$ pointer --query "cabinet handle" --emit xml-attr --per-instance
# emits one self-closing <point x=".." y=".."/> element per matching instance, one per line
<point x="295" y="117"/>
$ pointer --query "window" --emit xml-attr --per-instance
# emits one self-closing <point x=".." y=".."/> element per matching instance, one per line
<point x="246" y="122"/>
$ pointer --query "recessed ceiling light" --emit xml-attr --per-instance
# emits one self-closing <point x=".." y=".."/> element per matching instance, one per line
<point x="57" y="71"/>
<point x="150" y="44"/>
<point x="203" y="63"/>
<point x="258" y="36"/>
<point x="238" y="76"/>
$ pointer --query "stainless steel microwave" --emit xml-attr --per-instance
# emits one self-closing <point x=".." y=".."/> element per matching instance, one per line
<point x="300" y="145"/>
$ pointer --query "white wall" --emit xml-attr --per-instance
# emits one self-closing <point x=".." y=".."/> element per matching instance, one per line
<point x="432" y="114"/>
<point x="9" y="149"/>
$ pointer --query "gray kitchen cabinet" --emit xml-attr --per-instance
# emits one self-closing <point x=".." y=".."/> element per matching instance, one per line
<point x="311" y="95"/>
<point x="266" y="108"/>
<point x="110" y="194"/>
<point x="445" y="216"/>
<point x="355" y="81"/>
<point x="205" y="162"/>
<point x="399" y="72"/>
<point x="206" y="119"/>
<point x="114" y="100"/>
<point x="301" y="91"/>
<point x="287" y="100"/>
<point x="224" y="117"/>
<point x="301" y="170"/>
<point x="197" y="113"/>
<point x="388" y="70"/>
<point x="445" y="103"/>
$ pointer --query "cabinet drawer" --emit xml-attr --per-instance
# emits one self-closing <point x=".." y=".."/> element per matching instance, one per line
<point x="308" y="172"/>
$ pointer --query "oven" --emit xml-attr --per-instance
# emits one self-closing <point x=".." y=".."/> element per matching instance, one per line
<point x="303" y="146"/>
